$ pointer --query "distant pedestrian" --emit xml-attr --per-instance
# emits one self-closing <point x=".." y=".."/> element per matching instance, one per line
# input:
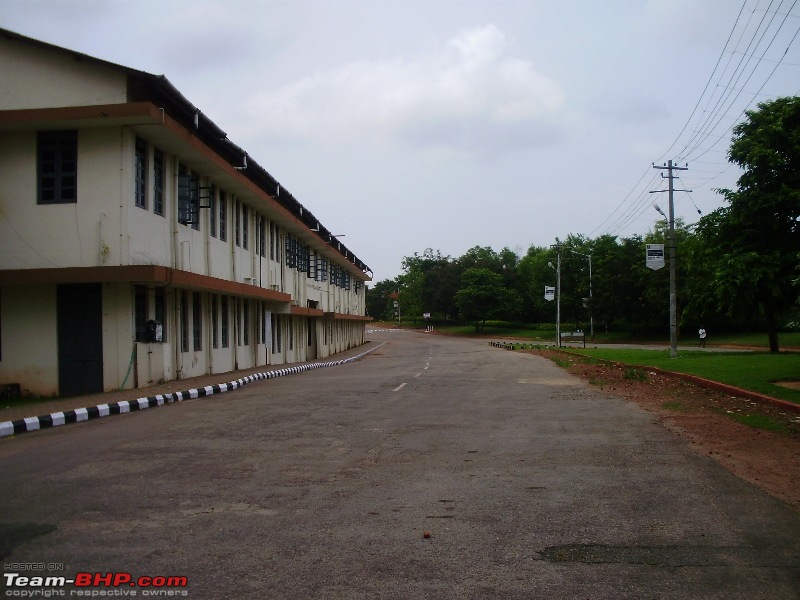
<point x="702" y="333"/>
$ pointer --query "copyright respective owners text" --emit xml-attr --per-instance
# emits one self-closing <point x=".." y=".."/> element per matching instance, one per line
<point x="59" y="580"/>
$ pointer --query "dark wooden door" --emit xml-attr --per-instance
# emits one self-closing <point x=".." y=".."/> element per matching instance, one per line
<point x="80" y="339"/>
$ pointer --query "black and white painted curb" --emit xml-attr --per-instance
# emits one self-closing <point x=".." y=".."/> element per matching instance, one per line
<point x="104" y="410"/>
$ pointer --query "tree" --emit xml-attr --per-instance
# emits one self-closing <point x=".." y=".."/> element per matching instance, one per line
<point x="484" y="296"/>
<point x="380" y="304"/>
<point x="429" y="283"/>
<point x="755" y="238"/>
<point x="533" y="275"/>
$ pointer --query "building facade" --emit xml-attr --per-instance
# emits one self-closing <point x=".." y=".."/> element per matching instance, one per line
<point x="139" y="245"/>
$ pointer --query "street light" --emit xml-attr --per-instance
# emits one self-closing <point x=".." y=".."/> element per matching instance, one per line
<point x="558" y="296"/>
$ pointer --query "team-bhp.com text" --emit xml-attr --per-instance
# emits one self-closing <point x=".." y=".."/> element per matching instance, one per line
<point x="95" y="585"/>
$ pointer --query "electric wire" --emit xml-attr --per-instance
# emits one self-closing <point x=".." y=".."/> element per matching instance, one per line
<point x="720" y="101"/>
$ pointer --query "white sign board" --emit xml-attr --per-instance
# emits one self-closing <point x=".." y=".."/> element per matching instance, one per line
<point x="549" y="293"/>
<point x="655" y="256"/>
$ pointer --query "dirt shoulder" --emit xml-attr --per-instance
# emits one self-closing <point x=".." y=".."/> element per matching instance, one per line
<point x="707" y="419"/>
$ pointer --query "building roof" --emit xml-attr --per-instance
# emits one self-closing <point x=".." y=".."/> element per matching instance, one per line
<point x="143" y="86"/>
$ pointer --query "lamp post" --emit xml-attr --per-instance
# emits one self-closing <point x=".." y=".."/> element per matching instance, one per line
<point x="591" y="318"/>
<point x="558" y="295"/>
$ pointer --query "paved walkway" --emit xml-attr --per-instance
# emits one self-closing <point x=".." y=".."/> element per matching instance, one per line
<point x="10" y="412"/>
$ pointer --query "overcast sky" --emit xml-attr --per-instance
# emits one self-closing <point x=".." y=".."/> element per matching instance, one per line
<point x="446" y="124"/>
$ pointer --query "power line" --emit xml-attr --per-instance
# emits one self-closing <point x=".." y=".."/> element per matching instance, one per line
<point x="725" y="99"/>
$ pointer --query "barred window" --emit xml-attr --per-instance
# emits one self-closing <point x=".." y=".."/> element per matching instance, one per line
<point x="262" y="235"/>
<point x="322" y="269"/>
<point x="245" y="228"/>
<point x="214" y="321"/>
<point x="224" y="313"/>
<point x="212" y="211"/>
<point x="223" y="218"/>
<point x="188" y="198"/>
<point x="158" y="182"/>
<point x="197" y="321"/>
<point x="57" y="167"/>
<point x="140" y="174"/>
<point x="237" y="223"/>
<point x="184" y="310"/>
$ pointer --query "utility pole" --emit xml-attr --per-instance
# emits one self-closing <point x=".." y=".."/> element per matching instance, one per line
<point x="673" y="298"/>
<point x="557" y="246"/>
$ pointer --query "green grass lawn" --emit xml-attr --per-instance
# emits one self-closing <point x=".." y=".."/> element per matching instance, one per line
<point x="754" y="340"/>
<point x="754" y="371"/>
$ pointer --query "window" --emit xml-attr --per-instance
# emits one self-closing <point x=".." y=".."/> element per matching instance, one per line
<point x="139" y="313"/>
<point x="275" y="243"/>
<point x="158" y="182"/>
<point x="237" y="223"/>
<point x="212" y="211"/>
<point x="161" y="311"/>
<point x="265" y="323"/>
<point x="245" y="212"/>
<point x="262" y="235"/>
<point x="237" y="320"/>
<point x="223" y="221"/>
<point x="245" y="323"/>
<point x="272" y="236"/>
<point x="197" y="321"/>
<point x="312" y="265"/>
<point x="214" y="322"/>
<point x="194" y="192"/>
<point x="140" y="174"/>
<point x="303" y="258"/>
<point x="295" y="250"/>
<point x="322" y="269"/>
<point x="276" y="334"/>
<point x="184" y="321"/>
<point x="57" y="167"/>
<point x="225" y="324"/>
<point x="188" y="198"/>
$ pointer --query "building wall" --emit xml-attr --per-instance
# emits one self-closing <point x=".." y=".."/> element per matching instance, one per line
<point x="106" y="228"/>
<point x="28" y="342"/>
<point x="35" y="72"/>
<point x="82" y="234"/>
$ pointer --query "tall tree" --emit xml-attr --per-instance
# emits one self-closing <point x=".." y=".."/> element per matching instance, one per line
<point x="380" y="303"/>
<point x="429" y="283"/>
<point x="533" y="275"/>
<point x="483" y="295"/>
<point x="756" y="237"/>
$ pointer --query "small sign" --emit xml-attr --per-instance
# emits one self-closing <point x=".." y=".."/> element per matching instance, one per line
<point x="549" y="293"/>
<point x="655" y="256"/>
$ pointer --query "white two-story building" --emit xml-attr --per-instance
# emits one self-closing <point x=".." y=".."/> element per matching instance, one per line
<point x="139" y="245"/>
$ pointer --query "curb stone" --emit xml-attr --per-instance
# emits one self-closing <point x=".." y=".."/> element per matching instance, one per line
<point x="24" y="425"/>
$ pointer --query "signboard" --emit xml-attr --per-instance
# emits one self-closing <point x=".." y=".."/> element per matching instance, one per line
<point x="655" y="256"/>
<point x="549" y="293"/>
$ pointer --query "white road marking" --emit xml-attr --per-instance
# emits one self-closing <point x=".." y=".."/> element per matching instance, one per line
<point x="399" y="387"/>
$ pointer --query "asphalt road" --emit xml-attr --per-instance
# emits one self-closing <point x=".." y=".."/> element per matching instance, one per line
<point x="529" y="483"/>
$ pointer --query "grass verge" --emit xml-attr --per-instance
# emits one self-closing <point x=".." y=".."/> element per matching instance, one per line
<point x="754" y="371"/>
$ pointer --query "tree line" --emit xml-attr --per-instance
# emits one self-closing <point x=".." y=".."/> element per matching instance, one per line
<point x="738" y="268"/>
